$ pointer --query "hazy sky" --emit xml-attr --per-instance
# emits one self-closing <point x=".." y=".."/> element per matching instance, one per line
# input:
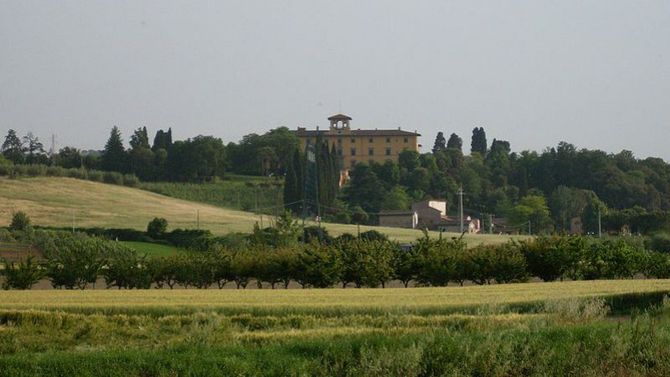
<point x="594" y="73"/>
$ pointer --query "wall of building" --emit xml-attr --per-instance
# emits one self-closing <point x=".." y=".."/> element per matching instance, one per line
<point x="363" y="145"/>
<point x="403" y="220"/>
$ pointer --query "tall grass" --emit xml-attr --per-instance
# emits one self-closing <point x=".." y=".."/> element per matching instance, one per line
<point x="563" y="329"/>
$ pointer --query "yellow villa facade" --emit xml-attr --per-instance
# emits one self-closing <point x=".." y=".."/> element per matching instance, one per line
<point x="357" y="145"/>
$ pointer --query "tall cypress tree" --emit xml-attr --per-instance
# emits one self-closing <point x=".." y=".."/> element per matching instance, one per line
<point x="334" y="181"/>
<point x="440" y="142"/>
<point x="478" y="143"/>
<point x="293" y="184"/>
<point x="455" y="142"/>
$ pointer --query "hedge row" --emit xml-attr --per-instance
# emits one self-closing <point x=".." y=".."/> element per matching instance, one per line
<point x="77" y="260"/>
<point x="38" y="170"/>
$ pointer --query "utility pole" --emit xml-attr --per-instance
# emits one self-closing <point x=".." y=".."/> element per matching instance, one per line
<point x="460" y="206"/>
<point x="490" y="223"/>
<point x="600" y="229"/>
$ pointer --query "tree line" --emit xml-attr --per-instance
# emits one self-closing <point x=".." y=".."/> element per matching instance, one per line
<point x="77" y="261"/>
<point x="547" y="189"/>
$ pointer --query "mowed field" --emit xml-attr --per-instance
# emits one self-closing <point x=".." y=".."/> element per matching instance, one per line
<point x="51" y="201"/>
<point x="544" y="329"/>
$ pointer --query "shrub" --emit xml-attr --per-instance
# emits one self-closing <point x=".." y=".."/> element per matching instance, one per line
<point x="406" y="264"/>
<point x="551" y="258"/>
<point x="168" y="271"/>
<point x="21" y="275"/>
<point x="195" y="239"/>
<point x="365" y="263"/>
<point x="157" y="227"/>
<point x="95" y="175"/>
<point x="658" y="265"/>
<point x="317" y="267"/>
<point x="6" y="235"/>
<point x="20" y="221"/>
<point x="76" y="173"/>
<point x="20" y="170"/>
<point x="35" y="170"/>
<point x="659" y="242"/>
<point x="6" y="168"/>
<point x="55" y="171"/>
<point x="373" y="235"/>
<point x="316" y="234"/>
<point x="112" y="177"/>
<point x="74" y="260"/>
<point x="437" y="260"/>
<point x="125" y="269"/>
<point x="242" y="267"/>
<point x="610" y="259"/>
<point x="509" y="265"/>
<point x="130" y="180"/>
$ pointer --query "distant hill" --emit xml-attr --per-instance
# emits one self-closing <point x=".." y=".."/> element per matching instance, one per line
<point x="61" y="201"/>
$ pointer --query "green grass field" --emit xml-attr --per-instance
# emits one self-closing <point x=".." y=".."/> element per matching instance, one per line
<point x="64" y="201"/>
<point x="152" y="249"/>
<point x="544" y="329"/>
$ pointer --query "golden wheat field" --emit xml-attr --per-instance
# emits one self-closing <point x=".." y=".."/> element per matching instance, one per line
<point x="327" y="299"/>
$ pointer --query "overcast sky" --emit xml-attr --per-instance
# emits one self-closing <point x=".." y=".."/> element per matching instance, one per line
<point x="594" y="73"/>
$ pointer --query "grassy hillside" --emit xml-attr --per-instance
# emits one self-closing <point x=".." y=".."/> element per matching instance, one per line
<point x="64" y="201"/>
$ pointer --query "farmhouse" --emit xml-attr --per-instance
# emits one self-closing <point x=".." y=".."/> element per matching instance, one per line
<point x="360" y="145"/>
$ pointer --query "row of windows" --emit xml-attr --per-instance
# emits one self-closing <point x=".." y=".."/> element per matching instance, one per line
<point x="371" y="151"/>
<point x="354" y="162"/>
<point x="353" y="141"/>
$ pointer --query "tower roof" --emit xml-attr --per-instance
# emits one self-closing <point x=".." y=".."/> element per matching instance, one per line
<point x="339" y="117"/>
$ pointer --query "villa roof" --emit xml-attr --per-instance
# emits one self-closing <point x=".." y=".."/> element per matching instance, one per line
<point x="307" y="133"/>
<point x="339" y="117"/>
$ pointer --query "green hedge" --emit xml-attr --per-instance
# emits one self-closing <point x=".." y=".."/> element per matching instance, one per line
<point x="36" y="170"/>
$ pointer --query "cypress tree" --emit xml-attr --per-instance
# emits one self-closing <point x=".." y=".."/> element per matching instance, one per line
<point x="478" y="143"/>
<point x="440" y="142"/>
<point x="293" y="184"/>
<point x="335" y="162"/>
<point x="455" y="142"/>
<point x="290" y="187"/>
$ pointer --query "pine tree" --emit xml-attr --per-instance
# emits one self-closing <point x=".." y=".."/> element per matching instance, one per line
<point x="478" y="144"/>
<point x="440" y="142"/>
<point x="13" y="148"/>
<point x="114" y="155"/>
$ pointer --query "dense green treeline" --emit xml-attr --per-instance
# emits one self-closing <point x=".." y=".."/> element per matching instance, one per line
<point x="76" y="261"/>
<point x="548" y="189"/>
